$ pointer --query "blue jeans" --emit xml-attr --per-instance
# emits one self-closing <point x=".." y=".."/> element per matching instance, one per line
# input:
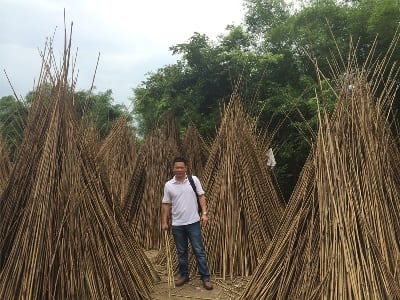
<point x="181" y="235"/>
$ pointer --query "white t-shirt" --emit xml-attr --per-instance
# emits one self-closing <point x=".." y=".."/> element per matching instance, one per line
<point x="183" y="200"/>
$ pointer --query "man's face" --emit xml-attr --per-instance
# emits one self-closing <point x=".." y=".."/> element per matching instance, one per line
<point x="179" y="169"/>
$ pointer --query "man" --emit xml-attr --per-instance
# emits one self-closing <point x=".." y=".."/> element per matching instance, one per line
<point x="179" y="194"/>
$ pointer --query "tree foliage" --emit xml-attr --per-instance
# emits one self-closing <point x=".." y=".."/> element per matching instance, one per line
<point x="196" y="87"/>
<point x="13" y="115"/>
<point x="99" y="109"/>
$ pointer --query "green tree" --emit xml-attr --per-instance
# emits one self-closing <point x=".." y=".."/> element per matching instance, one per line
<point x="191" y="89"/>
<point x="371" y="19"/>
<point x="263" y="15"/>
<point x="99" y="109"/>
<point x="202" y="80"/>
<point x="13" y="115"/>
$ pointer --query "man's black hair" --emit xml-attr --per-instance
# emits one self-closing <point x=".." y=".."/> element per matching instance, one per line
<point x="180" y="159"/>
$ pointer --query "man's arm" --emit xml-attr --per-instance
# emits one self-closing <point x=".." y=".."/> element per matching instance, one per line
<point x="203" y="204"/>
<point x="166" y="210"/>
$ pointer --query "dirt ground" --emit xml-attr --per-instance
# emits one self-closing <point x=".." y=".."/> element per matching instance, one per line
<point x="223" y="289"/>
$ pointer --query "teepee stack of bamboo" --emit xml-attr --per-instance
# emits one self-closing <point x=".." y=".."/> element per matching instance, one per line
<point x="5" y="164"/>
<point x="194" y="150"/>
<point x="90" y="137"/>
<point x="117" y="156"/>
<point x="59" y="237"/>
<point x="243" y="203"/>
<point x="142" y="205"/>
<point x="340" y="238"/>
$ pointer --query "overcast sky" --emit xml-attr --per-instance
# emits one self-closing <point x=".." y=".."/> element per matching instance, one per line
<point x="132" y="36"/>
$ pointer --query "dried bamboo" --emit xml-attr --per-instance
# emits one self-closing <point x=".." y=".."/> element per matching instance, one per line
<point x="170" y="268"/>
<point x="59" y="237"/>
<point x="195" y="150"/>
<point x="5" y="164"/>
<point x="162" y="256"/>
<point x="170" y="130"/>
<point x="243" y="203"/>
<point x="142" y="205"/>
<point x="117" y="158"/>
<point x="340" y="234"/>
<point x="91" y="138"/>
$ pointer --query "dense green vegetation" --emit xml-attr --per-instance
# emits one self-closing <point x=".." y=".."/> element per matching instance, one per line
<point x="272" y="54"/>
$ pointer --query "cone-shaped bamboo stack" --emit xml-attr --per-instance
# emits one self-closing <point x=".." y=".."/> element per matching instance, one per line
<point x="5" y="164"/>
<point x="170" y="130"/>
<point x="117" y="156"/>
<point x="243" y="203"/>
<point x="194" y="150"/>
<point x="340" y="235"/>
<point x="142" y="206"/>
<point x="90" y="138"/>
<point x="59" y="236"/>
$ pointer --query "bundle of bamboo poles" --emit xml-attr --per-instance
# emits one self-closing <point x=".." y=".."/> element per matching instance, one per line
<point x="59" y="237"/>
<point x="195" y="150"/>
<point x="90" y="137"/>
<point x="117" y="158"/>
<point x="170" y="267"/>
<point x="243" y="204"/>
<point x="5" y="164"/>
<point x="142" y="205"/>
<point x="170" y="130"/>
<point x="169" y="255"/>
<point x="13" y="199"/>
<point x="340" y="235"/>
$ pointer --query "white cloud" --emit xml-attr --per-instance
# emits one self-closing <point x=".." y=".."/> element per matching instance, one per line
<point x="132" y="36"/>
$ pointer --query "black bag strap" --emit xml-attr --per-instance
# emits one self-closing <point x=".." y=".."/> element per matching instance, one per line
<point x="190" y="178"/>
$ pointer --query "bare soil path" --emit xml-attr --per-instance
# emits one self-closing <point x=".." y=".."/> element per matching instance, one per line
<point x="223" y="289"/>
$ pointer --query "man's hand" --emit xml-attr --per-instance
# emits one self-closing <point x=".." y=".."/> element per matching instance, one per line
<point x="166" y="210"/>
<point x="164" y="226"/>
<point x="204" y="220"/>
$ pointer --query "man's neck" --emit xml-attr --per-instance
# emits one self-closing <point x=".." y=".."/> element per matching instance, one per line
<point x="180" y="179"/>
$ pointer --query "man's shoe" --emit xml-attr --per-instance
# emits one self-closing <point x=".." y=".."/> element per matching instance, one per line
<point x="181" y="281"/>
<point x="207" y="284"/>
